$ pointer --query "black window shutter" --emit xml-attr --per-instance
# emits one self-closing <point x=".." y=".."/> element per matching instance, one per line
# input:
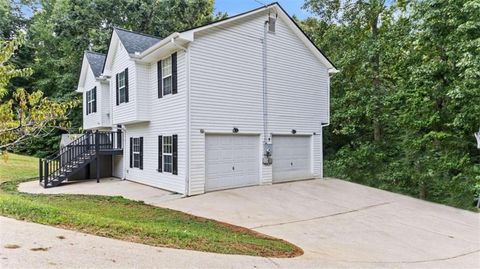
<point x="119" y="136"/>
<point x="141" y="152"/>
<point x="117" y="93"/>
<point x="174" y="73"/>
<point x="131" y="152"/>
<point x="175" y="155"/>
<point x="87" y="94"/>
<point x="160" y="153"/>
<point x="94" y="91"/>
<point x="126" y="85"/>
<point x="159" y="79"/>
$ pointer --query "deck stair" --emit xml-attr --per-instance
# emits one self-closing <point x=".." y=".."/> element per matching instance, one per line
<point x="73" y="157"/>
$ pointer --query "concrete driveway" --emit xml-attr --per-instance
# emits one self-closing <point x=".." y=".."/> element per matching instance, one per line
<point x="338" y="221"/>
<point x="338" y="224"/>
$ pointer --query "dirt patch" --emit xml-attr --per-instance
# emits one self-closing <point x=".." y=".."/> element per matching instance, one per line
<point x="39" y="249"/>
<point x="11" y="246"/>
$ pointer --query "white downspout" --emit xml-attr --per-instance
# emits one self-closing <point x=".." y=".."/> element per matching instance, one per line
<point x="187" y="78"/>
<point x="264" y="83"/>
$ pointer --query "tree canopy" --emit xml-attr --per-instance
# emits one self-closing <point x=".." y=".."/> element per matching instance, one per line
<point x="406" y="102"/>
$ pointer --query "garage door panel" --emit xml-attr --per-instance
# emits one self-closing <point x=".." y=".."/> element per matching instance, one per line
<point x="231" y="161"/>
<point x="291" y="158"/>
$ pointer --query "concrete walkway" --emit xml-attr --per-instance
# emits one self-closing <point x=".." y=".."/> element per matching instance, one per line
<point x="336" y="223"/>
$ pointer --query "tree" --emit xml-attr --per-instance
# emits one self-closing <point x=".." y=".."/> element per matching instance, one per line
<point x="441" y="99"/>
<point x="60" y="30"/>
<point x="406" y="102"/>
<point x="25" y="114"/>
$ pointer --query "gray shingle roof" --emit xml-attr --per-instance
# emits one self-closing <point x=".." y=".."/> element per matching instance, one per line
<point x="135" y="42"/>
<point x="96" y="61"/>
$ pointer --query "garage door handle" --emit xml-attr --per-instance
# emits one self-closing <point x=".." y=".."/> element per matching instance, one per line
<point x="233" y="168"/>
<point x="291" y="164"/>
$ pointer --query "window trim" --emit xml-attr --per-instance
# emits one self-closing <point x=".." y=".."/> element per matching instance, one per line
<point x="167" y="154"/>
<point x="167" y="76"/>
<point x="90" y="101"/>
<point x="124" y="87"/>
<point x="87" y="105"/>
<point x="136" y="140"/>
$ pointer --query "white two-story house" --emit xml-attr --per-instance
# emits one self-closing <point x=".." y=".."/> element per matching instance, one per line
<point x="238" y="102"/>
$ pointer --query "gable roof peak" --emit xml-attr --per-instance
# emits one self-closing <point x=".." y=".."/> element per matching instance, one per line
<point x="134" y="41"/>
<point x="96" y="61"/>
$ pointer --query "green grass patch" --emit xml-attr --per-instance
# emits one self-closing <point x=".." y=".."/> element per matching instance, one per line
<point x="128" y="220"/>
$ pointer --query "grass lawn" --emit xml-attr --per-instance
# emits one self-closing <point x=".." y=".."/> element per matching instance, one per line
<point x="128" y="220"/>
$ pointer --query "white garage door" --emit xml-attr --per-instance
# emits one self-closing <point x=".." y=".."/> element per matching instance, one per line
<point x="291" y="158"/>
<point x="231" y="161"/>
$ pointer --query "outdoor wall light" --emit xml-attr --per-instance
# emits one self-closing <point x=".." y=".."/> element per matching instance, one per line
<point x="202" y="131"/>
<point x="235" y="130"/>
<point x="294" y="131"/>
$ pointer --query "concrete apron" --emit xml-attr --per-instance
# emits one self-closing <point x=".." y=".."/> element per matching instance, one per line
<point x="336" y="223"/>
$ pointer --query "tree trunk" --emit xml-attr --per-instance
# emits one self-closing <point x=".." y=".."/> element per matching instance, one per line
<point x="423" y="191"/>
<point x="376" y="82"/>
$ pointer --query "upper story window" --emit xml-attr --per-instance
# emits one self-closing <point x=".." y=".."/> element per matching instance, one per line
<point x="122" y="87"/>
<point x="91" y="101"/>
<point x="167" y="75"/>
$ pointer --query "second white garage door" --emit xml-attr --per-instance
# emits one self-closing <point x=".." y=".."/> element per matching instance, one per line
<point x="291" y="158"/>
<point x="231" y="161"/>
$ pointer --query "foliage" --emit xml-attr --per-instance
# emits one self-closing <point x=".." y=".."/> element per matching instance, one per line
<point x="8" y="70"/>
<point x="128" y="220"/>
<point x="407" y="100"/>
<point x="59" y="31"/>
<point x="25" y="114"/>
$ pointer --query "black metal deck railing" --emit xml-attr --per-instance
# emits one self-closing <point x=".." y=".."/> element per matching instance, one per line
<point x="80" y="152"/>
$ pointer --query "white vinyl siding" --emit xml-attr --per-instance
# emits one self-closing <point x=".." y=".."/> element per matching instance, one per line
<point x="223" y="90"/>
<point x="103" y="104"/>
<point x="226" y="89"/>
<point x="169" y="118"/>
<point x="136" y="109"/>
<point x="95" y="120"/>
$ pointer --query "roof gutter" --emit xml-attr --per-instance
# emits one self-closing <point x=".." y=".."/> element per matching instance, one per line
<point x="153" y="48"/>
<point x="332" y="71"/>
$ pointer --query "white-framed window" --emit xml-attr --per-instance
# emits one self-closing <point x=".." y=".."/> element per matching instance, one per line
<point x="87" y="107"/>
<point x="167" y="154"/>
<point x="136" y="152"/>
<point x="167" y="75"/>
<point x="91" y="96"/>
<point x="122" y="89"/>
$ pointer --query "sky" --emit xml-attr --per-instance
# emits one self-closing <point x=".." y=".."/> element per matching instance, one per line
<point x="233" y="7"/>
